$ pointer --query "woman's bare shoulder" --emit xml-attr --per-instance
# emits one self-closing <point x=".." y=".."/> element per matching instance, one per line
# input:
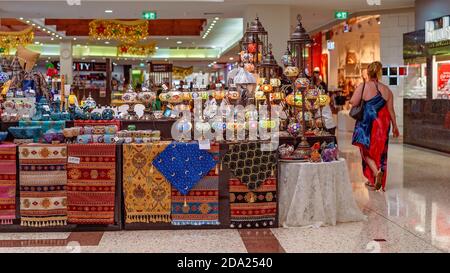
<point x="385" y="90"/>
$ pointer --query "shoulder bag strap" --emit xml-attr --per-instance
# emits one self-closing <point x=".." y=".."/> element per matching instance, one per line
<point x="362" y="93"/>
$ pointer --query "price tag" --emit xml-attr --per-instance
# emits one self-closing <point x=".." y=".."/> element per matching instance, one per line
<point x="164" y="86"/>
<point x="73" y="160"/>
<point x="204" y="144"/>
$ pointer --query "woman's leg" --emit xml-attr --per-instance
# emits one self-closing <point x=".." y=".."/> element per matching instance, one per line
<point x="372" y="165"/>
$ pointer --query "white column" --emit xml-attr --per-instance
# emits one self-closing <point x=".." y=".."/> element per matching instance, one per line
<point x="66" y="60"/>
<point x="276" y="19"/>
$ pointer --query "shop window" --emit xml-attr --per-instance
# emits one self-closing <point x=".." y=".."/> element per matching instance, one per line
<point x="441" y="77"/>
<point x="416" y="79"/>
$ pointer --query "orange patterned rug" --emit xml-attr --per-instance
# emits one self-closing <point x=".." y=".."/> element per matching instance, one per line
<point x="7" y="183"/>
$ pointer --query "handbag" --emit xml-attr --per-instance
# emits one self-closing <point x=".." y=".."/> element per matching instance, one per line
<point x="357" y="111"/>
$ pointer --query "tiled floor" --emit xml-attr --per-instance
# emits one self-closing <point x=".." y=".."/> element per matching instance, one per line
<point x="413" y="215"/>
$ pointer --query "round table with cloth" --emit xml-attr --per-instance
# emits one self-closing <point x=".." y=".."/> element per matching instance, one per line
<point x="316" y="194"/>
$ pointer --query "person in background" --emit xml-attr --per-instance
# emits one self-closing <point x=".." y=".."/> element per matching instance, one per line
<point x="327" y="114"/>
<point x="371" y="133"/>
<point x="156" y="104"/>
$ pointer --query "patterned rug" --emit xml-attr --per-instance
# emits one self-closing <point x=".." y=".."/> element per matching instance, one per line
<point x="43" y="178"/>
<point x="7" y="183"/>
<point x="184" y="164"/>
<point x="201" y="205"/>
<point x="250" y="164"/>
<point x="146" y="191"/>
<point x="253" y="209"/>
<point x="91" y="184"/>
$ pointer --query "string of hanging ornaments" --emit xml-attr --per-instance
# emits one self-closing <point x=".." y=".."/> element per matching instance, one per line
<point x="13" y="39"/>
<point x="128" y="33"/>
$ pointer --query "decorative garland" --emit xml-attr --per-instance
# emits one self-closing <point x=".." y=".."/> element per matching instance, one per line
<point x="129" y="32"/>
<point x="182" y="72"/>
<point x="137" y="49"/>
<point x="12" y="39"/>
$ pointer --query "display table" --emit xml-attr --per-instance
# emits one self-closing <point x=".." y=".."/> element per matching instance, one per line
<point x="345" y="122"/>
<point x="316" y="194"/>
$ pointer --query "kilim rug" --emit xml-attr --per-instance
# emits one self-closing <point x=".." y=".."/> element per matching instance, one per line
<point x="250" y="164"/>
<point x="43" y="177"/>
<point x="253" y="209"/>
<point x="7" y="183"/>
<point x="201" y="205"/>
<point x="146" y="191"/>
<point x="91" y="184"/>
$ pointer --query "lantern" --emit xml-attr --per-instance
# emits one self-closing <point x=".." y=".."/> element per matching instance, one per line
<point x="254" y="42"/>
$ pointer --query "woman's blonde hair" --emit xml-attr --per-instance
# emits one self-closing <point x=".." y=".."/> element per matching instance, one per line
<point x="374" y="70"/>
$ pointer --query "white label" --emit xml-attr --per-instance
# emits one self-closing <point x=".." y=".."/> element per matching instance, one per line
<point x="46" y="108"/>
<point x="116" y="139"/>
<point x="218" y="85"/>
<point x="164" y="86"/>
<point x="73" y="160"/>
<point x="204" y="144"/>
<point x="185" y="86"/>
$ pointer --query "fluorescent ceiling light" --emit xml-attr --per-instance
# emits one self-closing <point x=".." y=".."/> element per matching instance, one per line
<point x="108" y="11"/>
<point x="179" y="42"/>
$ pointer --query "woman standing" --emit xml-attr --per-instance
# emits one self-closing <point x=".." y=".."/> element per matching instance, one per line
<point x="371" y="134"/>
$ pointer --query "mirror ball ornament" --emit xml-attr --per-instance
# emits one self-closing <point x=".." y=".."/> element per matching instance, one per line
<point x="294" y="129"/>
<point x="301" y="83"/>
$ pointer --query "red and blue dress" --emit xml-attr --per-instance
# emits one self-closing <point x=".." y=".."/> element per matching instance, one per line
<point x="371" y="135"/>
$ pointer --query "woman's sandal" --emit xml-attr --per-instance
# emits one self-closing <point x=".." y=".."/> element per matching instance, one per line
<point x="379" y="180"/>
<point x="368" y="184"/>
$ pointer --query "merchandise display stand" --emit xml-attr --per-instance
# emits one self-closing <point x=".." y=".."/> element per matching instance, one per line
<point x="16" y="227"/>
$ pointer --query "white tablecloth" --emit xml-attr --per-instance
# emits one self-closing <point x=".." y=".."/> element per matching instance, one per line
<point x="316" y="194"/>
<point x="345" y="122"/>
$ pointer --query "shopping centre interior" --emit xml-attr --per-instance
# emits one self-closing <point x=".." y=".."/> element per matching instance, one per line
<point x="101" y="134"/>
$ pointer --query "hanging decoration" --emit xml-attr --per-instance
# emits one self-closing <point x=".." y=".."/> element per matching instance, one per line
<point x="129" y="32"/>
<point x="182" y="72"/>
<point x="12" y="39"/>
<point x="137" y="49"/>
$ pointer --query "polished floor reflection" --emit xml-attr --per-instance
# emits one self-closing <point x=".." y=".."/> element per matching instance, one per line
<point x="413" y="215"/>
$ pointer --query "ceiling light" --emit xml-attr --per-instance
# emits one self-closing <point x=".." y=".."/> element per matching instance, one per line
<point x="231" y="58"/>
<point x="21" y="18"/>
<point x="156" y="47"/>
<point x="74" y="38"/>
<point x="107" y="42"/>
<point x="213" y="46"/>
<point x="33" y="24"/>
<point x="167" y="38"/>
<point x="27" y="21"/>
<point x="108" y="11"/>
<point x="85" y="46"/>
<point x="217" y="18"/>
<point x="39" y="27"/>
<point x="52" y="39"/>
<point x="179" y="42"/>
<point x="83" y="58"/>
<point x="214" y="21"/>
<point x="60" y="38"/>
<point x="48" y="58"/>
<point x="36" y="43"/>
<point x="49" y="31"/>
<point x="98" y="39"/>
<point x="165" y="60"/>
<point x="212" y="24"/>
<point x="53" y="34"/>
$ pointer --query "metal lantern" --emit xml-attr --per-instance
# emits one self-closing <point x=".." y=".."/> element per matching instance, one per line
<point x="254" y="43"/>
<point x="299" y="47"/>
<point x="268" y="70"/>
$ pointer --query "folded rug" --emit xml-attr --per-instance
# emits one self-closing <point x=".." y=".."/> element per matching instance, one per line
<point x="91" y="184"/>
<point x="184" y="164"/>
<point x="201" y="205"/>
<point x="253" y="209"/>
<point x="251" y="165"/>
<point x="43" y="178"/>
<point x="146" y="191"/>
<point x="7" y="183"/>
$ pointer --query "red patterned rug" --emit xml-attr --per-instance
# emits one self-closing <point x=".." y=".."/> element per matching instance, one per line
<point x="91" y="184"/>
<point x="7" y="183"/>
<point x="253" y="209"/>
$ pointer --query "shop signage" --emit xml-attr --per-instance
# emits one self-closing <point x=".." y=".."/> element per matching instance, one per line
<point x="160" y="67"/>
<point x="437" y="30"/>
<point x="341" y="15"/>
<point x="149" y="15"/>
<point x="331" y="45"/>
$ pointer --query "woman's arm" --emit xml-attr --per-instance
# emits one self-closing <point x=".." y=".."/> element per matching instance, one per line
<point x="391" y="110"/>
<point x="357" y="96"/>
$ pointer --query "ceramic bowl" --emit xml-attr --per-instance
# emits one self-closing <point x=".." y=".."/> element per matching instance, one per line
<point x="3" y="136"/>
<point x="108" y="114"/>
<point x="96" y="116"/>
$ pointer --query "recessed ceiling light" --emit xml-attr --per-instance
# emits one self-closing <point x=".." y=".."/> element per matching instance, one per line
<point x="36" y="43"/>
<point x="156" y="47"/>
<point x="85" y="46"/>
<point x="33" y="24"/>
<point x="39" y="27"/>
<point x="74" y="38"/>
<point x="27" y="21"/>
<point x="231" y="58"/>
<point x="48" y="58"/>
<point x="167" y="38"/>
<point x="217" y="18"/>
<point x="53" y="34"/>
<point x="214" y="21"/>
<point x="60" y="38"/>
<point x="179" y="42"/>
<point x="212" y="24"/>
<point x="98" y="39"/>
<point x="213" y="46"/>
<point x="165" y="60"/>
<point x="21" y="18"/>
<point x="107" y="42"/>
<point x="52" y="39"/>
<point x="108" y="11"/>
